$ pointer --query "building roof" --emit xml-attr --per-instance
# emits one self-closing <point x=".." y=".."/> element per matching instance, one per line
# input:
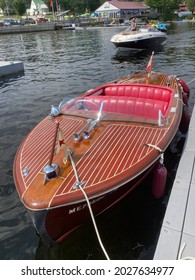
<point x="39" y="4"/>
<point x="116" y="6"/>
<point x="128" y="5"/>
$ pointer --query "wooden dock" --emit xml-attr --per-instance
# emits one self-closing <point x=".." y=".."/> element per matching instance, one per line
<point x="177" y="236"/>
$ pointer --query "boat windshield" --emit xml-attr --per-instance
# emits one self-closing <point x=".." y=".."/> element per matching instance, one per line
<point x="89" y="110"/>
<point x="82" y="107"/>
<point x="119" y="102"/>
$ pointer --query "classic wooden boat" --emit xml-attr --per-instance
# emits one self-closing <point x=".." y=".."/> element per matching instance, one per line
<point x="87" y="149"/>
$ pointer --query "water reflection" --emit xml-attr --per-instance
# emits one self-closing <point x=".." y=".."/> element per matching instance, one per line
<point x="6" y="80"/>
<point x="124" y="55"/>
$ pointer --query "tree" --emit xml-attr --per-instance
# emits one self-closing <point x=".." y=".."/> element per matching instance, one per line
<point x="76" y="6"/>
<point x="28" y="3"/>
<point x="191" y="5"/>
<point x="2" y="4"/>
<point x="6" y="5"/>
<point x="164" y="7"/>
<point x="20" y="7"/>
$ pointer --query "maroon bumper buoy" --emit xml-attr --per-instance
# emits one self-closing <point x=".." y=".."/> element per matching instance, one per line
<point x="185" y="120"/>
<point x="159" y="181"/>
<point x="185" y="98"/>
<point x="185" y="87"/>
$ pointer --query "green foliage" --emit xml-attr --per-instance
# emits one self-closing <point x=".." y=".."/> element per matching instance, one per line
<point x="20" y="7"/>
<point x="164" y="7"/>
<point x="155" y="4"/>
<point x="191" y="5"/>
<point x="28" y="3"/>
<point x="160" y="4"/>
<point x="2" y="4"/>
<point x="76" y="6"/>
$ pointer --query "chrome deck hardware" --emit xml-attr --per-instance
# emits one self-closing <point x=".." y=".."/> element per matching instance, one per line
<point x="86" y="134"/>
<point x="77" y="136"/>
<point x="55" y="111"/>
<point x="51" y="171"/>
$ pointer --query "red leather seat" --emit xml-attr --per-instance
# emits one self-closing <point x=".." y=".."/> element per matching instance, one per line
<point x="141" y="91"/>
<point x="135" y="100"/>
<point x="133" y="106"/>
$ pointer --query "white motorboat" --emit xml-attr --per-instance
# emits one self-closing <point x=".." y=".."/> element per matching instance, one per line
<point x="143" y="38"/>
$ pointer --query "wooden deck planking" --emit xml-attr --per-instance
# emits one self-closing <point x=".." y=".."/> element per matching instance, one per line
<point x="177" y="236"/>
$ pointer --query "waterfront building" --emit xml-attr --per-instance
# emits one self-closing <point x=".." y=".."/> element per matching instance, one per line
<point x="38" y="7"/>
<point x="121" y="9"/>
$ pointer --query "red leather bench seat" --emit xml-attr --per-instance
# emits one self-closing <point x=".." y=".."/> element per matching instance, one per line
<point x="142" y="107"/>
<point x="141" y="91"/>
<point x="136" y="99"/>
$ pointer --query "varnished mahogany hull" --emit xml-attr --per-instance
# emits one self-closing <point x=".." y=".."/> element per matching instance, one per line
<point x="55" y="225"/>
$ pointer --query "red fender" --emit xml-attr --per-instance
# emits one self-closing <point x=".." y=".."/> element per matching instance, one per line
<point x="185" y="120"/>
<point x="185" y="87"/>
<point x="185" y="98"/>
<point x="159" y="181"/>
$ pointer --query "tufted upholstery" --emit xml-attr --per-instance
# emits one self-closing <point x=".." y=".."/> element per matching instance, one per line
<point x="142" y="91"/>
<point x="135" y="100"/>
<point x="135" y="106"/>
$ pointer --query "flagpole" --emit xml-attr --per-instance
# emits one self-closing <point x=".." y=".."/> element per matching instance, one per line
<point x="53" y="11"/>
<point x="54" y="144"/>
<point x="51" y="6"/>
<point x="149" y="66"/>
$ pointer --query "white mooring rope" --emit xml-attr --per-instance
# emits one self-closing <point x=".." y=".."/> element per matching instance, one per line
<point x="79" y="185"/>
<point x="94" y="223"/>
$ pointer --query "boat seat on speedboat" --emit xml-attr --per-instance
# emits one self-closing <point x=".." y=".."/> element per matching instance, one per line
<point x="133" y="106"/>
<point x="142" y="91"/>
<point x="136" y="100"/>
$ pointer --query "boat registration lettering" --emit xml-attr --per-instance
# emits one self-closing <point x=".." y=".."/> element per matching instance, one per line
<point x="83" y="206"/>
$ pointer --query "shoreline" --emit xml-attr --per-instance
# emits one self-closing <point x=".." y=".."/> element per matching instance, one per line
<point x="48" y="26"/>
<point x="51" y="26"/>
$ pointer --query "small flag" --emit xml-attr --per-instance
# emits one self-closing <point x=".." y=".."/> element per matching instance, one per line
<point x="61" y="144"/>
<point x="149" y="66"/>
